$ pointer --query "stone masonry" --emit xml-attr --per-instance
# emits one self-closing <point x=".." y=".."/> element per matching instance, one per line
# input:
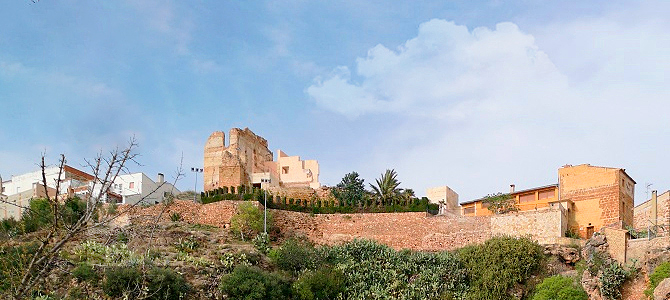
<point x="655" y="211"/>
<point x="232" y="165"/>
<point x="602" y="197"/>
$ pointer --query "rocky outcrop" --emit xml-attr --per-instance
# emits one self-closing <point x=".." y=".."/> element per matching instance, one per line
<point x="662" y="291"/>
<point x="565" y="254"/>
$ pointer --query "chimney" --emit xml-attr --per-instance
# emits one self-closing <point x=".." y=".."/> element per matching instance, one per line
<point x="511" y="188"/>
<point x="161" y="178"/>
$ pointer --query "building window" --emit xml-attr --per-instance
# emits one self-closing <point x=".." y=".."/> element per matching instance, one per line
<point x="284" y="170"/>
<point x="527" y="198"/>
<point x="469" y="210"/>
<point x="131" y="185"/>
<point x="546" y="194"/>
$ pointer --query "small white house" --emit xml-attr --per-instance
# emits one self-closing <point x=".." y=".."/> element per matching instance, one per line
<point x="137" y="187"/>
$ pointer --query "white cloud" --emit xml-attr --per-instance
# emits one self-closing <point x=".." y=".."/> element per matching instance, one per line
<point x="483" y="108"/>
<point x="440" y="70"/>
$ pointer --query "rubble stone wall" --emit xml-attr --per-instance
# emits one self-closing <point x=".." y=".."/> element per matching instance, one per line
<point x="544" y="225"/>
<point x="414" y="230"/>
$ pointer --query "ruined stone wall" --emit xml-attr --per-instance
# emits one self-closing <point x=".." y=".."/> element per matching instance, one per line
<point x="232" y="166"/>
<point x="251" y="149"/>
<point x="544" y="225"/>
<point x="415" y="231"/>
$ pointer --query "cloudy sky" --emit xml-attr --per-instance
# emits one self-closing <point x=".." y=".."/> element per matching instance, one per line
<point x="475" y="95"/>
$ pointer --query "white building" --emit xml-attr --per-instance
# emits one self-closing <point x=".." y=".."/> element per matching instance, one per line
<point x="138" y="186"/>
<point x="71" y="181"/>
<point x="16" y="193"/>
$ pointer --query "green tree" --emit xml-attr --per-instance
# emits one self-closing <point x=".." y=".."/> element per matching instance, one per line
<point x="351" y="190"/>
<point x="248" y="221"/>
<point x="386" y="189"/>
<point x="407" y="196"/>
<point x="500" y="203"/>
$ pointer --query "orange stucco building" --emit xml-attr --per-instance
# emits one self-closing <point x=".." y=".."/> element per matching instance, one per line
<point x="594" y="197"/>
<point x="527" y="199"/>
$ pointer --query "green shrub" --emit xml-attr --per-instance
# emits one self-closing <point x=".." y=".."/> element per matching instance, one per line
<point x="112" y="208"/>
<point x="72" y="210"/>
<point x="559" y="288"/>
<point x="175" y="217"/>
<point x="252" y="283"/>
<point x="86" y="272"/>
<point x="611" y="279"/>
<point x="295" y="255"/>
<point x="499" y="264"/>
<point x="324" y="284"/>
<point x="37" y="216"/>
<point x="661" y="272"/>
<point x="248" y="221"/>
<point x="9" y="228"/>
<point x="166" y="284"/>
<point x="13" y="260"/>
<point x="120" y="281"/>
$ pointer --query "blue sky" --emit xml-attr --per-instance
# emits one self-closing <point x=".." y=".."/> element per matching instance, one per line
<point x="471" y="94"/>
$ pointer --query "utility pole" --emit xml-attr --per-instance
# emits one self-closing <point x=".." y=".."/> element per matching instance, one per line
<point x="195" y="185"/>
<point x="265" y="205"/>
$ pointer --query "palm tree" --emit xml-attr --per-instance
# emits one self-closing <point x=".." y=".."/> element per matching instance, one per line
<point x="408" y="195"/>
<point x="386" y="189"/>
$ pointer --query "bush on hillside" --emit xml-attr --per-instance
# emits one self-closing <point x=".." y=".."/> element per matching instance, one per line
<point x="661" y="272"/>
<point x="122" y="281"/>
<point x="248" y="221"/>
<point x="295" y="255"/>
<point x="324" y="284"/>
<point x="86" y="272"/>
<point x="38" y="215"/>
<point x="166" y="284"/>
<point x="499" y="264"/>
<point x="72" y="210"/>
<point x="559" y="288"/>
<point x="13" y="260"/>
<point x="252" y="283"/>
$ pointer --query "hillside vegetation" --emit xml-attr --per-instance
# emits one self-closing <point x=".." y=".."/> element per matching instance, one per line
<point x="176" y="260"/>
